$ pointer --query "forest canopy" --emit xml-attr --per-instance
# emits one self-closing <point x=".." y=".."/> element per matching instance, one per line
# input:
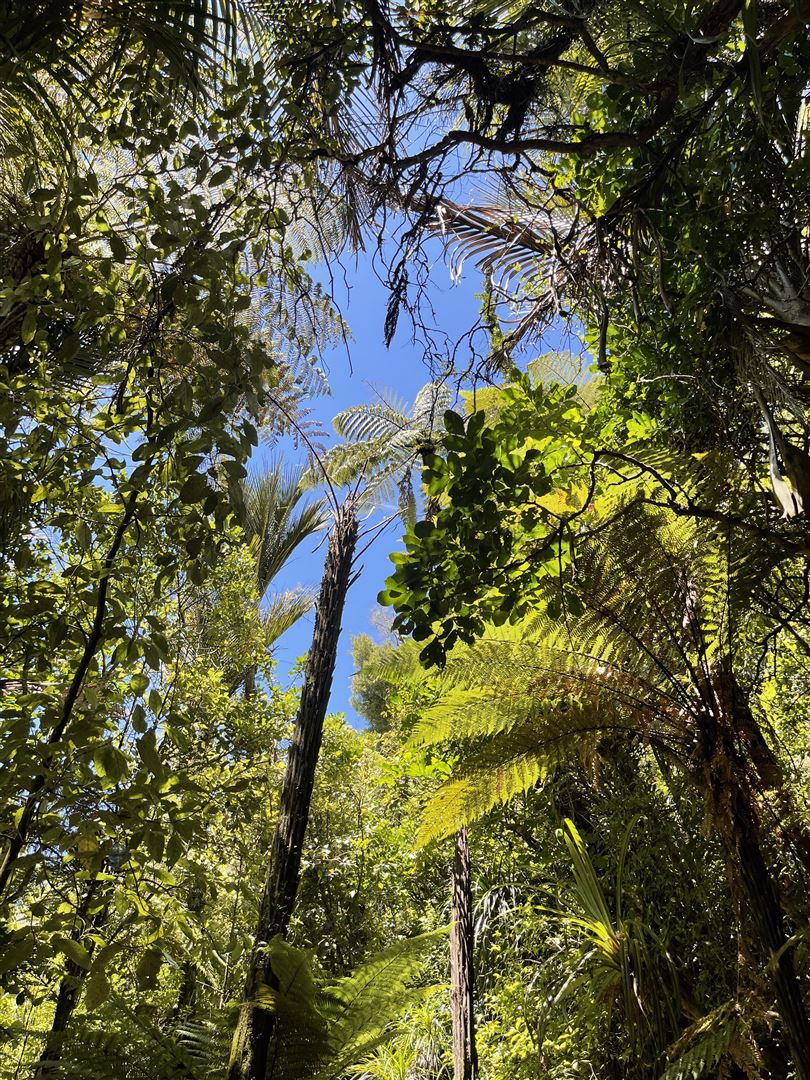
<point x="563" y="830"/>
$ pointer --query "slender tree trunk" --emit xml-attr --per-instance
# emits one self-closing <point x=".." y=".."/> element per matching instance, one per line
<point x="187" y="994"/>
<point x="255" y="1027"/>
<point x="462" y="972"/>
<point x="70" y="987"/>
<point x="739" y="762"/>
<point x="19" y="838"/>
<point x="766" y="910"/>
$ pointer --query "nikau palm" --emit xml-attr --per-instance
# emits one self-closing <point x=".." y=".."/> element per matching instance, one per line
<point x="275" y="526"/>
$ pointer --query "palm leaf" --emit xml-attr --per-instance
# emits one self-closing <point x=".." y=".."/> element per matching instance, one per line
<point x="283" y="612"/>
<point x="274" y="522"/>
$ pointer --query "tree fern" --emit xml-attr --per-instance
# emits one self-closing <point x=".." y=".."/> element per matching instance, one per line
<point x="321" y="1033"/>
<point x="383" y="442"/>
<point x="707" y="1049"/>
<point x="641" y="660"/>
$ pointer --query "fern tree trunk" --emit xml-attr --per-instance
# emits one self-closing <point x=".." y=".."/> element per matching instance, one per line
<point x="732" y="777"/>
<point x="761" y="892"/>
<point x="462" y="971"/>
<point x="254" y="1031"/>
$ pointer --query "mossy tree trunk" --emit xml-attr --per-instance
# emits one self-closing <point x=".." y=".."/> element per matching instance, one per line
<point x="737" y="764"/>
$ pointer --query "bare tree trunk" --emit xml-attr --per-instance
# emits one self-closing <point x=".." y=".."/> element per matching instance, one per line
<point x="462" y="971"/>
<point x="255" y="1027"/>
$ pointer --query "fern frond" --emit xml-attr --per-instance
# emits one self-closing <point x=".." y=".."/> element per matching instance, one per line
<point x="705" y="1054"/>
<point x="321" y="1033"/>
<point x="361" y="1007"/>
<point x="507" y="765"/>
<point x="371" y="421"/>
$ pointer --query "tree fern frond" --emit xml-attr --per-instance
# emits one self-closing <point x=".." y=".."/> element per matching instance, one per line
<point x="508" y="764"/>
<point x="371" y="421"/>
<point x="706" y="1053"/>
<point x="321" y="1034"/>
<point x="362" y="1006"/>
<point x="430" y="405"/>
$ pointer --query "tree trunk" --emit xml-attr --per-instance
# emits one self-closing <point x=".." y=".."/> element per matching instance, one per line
<point x="255" y="1027"/>
<point x="739" y="762"/>
<point x="70" y="987"/>
<point x="187" y="994"/>
<point x="767" y="915"/>
<point x="462" y="972"/>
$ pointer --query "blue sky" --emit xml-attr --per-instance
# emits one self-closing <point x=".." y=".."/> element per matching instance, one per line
<point x="354" y="372"/>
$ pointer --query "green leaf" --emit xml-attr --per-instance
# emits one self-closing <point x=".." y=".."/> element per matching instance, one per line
<point x="110" y="762"/>
<point x="73" y="950"/>
<point x="454" y="423"/>
<point x="220" y="176"/>
<point x="138" y="684"/>
<point x="148" y="752"/>
<point x="16" y="952"/>
<point x="195" y="489"/>
<point x="148" y="968"/>
<point x="29" y="326"/>
<point x="97" y="990"/>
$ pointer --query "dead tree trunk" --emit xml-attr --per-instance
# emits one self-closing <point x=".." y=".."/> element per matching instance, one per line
<point x="255" y="1027"/>
<point x="462" y="972"/>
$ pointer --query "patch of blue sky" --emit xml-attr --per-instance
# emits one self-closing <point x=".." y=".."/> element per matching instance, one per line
<point x="358" y="371"/>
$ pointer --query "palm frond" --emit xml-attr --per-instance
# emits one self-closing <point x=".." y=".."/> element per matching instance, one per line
<point x="283" y="611"/>
<point x="273" y="521"/>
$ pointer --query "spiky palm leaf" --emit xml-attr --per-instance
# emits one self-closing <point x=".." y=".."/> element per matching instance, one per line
<point x="283" y="611"/>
